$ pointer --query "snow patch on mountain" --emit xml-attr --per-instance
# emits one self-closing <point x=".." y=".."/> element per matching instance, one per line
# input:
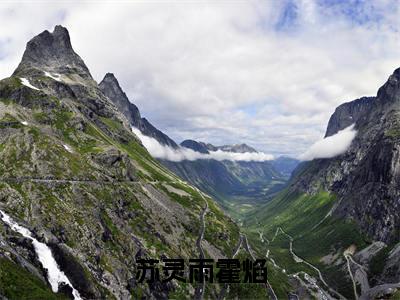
<point x="68" y="148"/>
<point x="26" y="82"/>
<point x="56" y="76"/>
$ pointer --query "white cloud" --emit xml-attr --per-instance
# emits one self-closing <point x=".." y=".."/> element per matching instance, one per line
<point x="246" y="156"/>
<point x="164" y="152"/>
<point x="194" y="67"/>
<point x="331" y="146"/>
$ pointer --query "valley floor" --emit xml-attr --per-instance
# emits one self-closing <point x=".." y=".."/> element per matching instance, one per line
<point x="316" y="255"/>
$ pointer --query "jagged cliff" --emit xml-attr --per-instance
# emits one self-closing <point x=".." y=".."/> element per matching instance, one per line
<point x="341" y="214"/>
<point x="366" y="177"/>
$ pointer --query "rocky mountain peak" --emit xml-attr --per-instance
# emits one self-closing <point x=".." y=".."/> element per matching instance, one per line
<point x="195" y="146"/>
<point x="357" y="111"/>
<point x="52" y="52"/>
<point x="110" y="77"/>
<point x="205" y="148"/>
<point x="349" y="113"/>
<point x="111" y="88"/>
<point x="238" y="148"/>
<point x="390" y="91"/>
<point x="110" y="85"/>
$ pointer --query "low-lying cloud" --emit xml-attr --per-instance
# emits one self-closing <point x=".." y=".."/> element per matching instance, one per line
<point x="331" y="146"/>
<point x="164" y="152"/>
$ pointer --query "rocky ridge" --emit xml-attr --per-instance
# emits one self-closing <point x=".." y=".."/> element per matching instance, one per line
<point x="366" y="177"/>
<point x="111" y="88"/>
<point x="75" y="175"/>
<point x="342" y="212"/>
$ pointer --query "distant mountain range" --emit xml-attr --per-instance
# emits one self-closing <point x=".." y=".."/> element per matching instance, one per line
<point x="230" y="181"/>
<point x="225" y="180"/>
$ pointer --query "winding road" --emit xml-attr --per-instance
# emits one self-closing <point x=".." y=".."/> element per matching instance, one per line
<point x="298" y="259"/>
<point x="360" y="276"/>
<point x="268" y="286"/>
<point x="351" y="276"/>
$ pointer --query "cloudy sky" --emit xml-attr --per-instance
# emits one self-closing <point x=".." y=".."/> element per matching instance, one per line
<point x="268" y="73"/>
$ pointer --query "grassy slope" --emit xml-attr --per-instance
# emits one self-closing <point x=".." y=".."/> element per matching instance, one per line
<point x="45" y="133"/>
<point x="299" y="214"/>
<point x="13" y="277"/>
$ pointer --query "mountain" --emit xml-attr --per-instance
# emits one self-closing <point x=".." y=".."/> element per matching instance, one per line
<point x="196" y="146"/>
<point x="248" y="171"/>
<point x="237" y="185"/>
<point x="205" y="148"/>
<point x="52" y="52"/>
<point x="81" y="195"/>
<point x="225" y="180"/>
<point x="284" y="165"/>
<point x="111" y="88"/>
<point x="341" y="213"/>
<point x="237" y="148"/>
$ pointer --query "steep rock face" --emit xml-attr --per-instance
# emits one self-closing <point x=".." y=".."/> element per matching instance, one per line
<point x="72" y="171"/>
<point x="52" y="52"/>
<point x="348" y="113"/>
<point x="111" y="88"/>
<point x="346" y="205"/>
<point x="366" y="177"/>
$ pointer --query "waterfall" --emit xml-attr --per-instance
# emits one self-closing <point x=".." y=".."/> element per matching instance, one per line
<point x="46" y="258"/>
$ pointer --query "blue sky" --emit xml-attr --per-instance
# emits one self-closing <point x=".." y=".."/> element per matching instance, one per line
<point x="268" y="73"/>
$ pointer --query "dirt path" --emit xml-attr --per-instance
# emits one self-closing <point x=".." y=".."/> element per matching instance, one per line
<point x="49" y="180"/>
